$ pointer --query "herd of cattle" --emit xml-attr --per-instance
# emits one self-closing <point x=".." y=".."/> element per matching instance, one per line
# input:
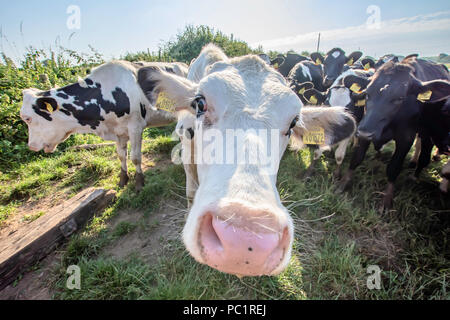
<point x="237" y="223"/>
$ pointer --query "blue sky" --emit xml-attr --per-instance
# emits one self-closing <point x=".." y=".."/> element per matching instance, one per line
<point x="117" y="27"/>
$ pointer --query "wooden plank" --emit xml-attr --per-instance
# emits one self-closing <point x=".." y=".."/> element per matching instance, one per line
<point x="36" y="240"/>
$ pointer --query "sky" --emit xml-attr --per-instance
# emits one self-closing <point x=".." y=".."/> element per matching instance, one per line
<point x="117" y="27"/>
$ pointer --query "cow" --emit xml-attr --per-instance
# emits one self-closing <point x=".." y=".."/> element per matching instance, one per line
<point x="334" y="63"/>
<point x="386" y="58"/>
<point x="397" y="97"/>
<point x="265" y="58"/>
<point x="237" y="223"/>
<point x="303" y="72"/>
<point x="337" y="95"/>
<point x="284" y="64"/>
<point x="109" y="103"/>
<point x="178" y="68"/>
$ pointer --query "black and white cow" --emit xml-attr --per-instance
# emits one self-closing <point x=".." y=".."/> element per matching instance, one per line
<point x="109" y="103"/>
<point x="386" y="58"/>
<point x="284" y="64"/>
<point x="397" y="98"/>
<point x="334" y="63"/>
<point x="305" y="72"/>
<point x="237" y="223"/>
<point x="337" y="95"/>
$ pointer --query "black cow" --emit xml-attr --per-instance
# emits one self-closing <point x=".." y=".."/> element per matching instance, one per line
<point x="397" y="97"/>
<point x="334" y="63"/>
<point x="284" y="64"/>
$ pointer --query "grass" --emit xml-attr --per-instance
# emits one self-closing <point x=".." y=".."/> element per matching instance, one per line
<point x="338" y="237"/>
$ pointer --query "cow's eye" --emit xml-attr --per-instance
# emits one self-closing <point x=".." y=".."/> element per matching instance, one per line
<point x="27" y="119"/>
<point x="199" y="104"/>
<point x="292" y="125"/>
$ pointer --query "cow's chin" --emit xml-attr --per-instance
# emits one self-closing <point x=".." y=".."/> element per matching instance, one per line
<point x="50" y="148"/>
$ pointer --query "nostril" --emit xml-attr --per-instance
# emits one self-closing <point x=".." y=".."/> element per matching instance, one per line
<point x="209" y="240"/>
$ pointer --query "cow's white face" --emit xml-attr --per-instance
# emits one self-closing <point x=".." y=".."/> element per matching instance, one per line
<point x="237" y="223"/>
<point x="46" y="126"/>
<point x="241" y="109"/>
<point x="339" y="96"/>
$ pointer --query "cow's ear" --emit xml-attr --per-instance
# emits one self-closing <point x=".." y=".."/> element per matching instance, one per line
<point x="47" y="104"/>
<point x="431" y="91"/>
<point x="356" y="84"/>
<point x="314" y="96"/>
<point x="278" y="61"/>
<point x="322" y="126"/>
<point x="353" y="57"/>
<point x="153" y="80"/>
<point x="367" y="63"/>
<point x="317" y="57"/>
<point x="302" y="87"/>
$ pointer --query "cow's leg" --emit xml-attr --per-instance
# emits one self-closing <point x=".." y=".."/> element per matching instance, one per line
<point x="393" y="169"/>
<point x="339" y="155"/>
<point x="122" y="151"/>
<point x="445" y="173"/>
<point x="358" y="155"/>
<point x="190" y="169"/>
<point x="313" y="156"/>
<point x="426" y="147"/>
<point x="436" y="156"/>
<point x="136" y="156"/>
<point x="415" y="157"/>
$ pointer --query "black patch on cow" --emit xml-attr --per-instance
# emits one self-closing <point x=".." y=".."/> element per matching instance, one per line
<point x="146" y="83"/>
<point x="62" y="95"/>
<point x="90" y="112"/>
<point x="169" y="69"/>
<point x="67" y="113"/>
<point x="89" y="82"/>
<point x="88" y="116"/>
<point x="44" y="94"/>
<point x="343" y="131"/>
<point x="143" y="111"/>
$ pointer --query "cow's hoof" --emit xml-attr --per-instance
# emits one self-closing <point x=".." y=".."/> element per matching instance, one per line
<point x="386" y="204"/>
<point x="412" y="164"/>
<point x="436" y="158"/>
<point x="123" y="178"/>
<point x="412" y="178"/>
<point x="337" y="173"/>
<point x="139" y="178"/>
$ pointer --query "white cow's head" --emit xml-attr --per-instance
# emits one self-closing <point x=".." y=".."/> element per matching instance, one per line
<point x="237" y="223"/>
<point x="47" y="125"/>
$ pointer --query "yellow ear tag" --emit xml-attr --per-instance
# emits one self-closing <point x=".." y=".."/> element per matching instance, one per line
<point x="302" y="90"/>
<point x="355" y="88"/>
<point x="49" y="107"/>
<point x="367" y="66"/>
<point x="422" y="97"/>
<point x="313" y="100"/>
<point x="315" y="135"/>
<point x="275" y="65"/>
<point x="318" y="61"/>
<point x="360" y="103"/>
<point x="350" y="62"/>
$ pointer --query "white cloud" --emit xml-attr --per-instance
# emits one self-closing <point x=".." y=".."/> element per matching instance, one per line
<point x="363" y="36"/>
